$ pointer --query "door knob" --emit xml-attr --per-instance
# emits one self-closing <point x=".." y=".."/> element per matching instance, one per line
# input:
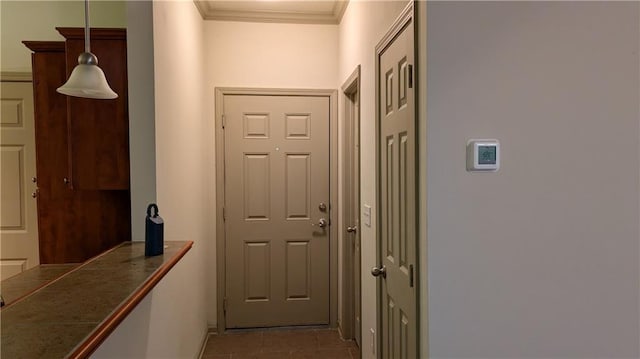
<point x="322" y="207"/>
<point x="353" y="229"/>
<point x="381" y="271"/>
<point x="321" y="223"/>
<point x="35" y="194"/>
<point x="65" y="180"/>
<point x="34" y="180"/>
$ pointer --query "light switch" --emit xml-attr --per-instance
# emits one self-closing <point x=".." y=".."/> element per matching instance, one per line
<point x="366" y="215"/>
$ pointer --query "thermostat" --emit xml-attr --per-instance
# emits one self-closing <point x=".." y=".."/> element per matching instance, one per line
<point x="483" y="155"/>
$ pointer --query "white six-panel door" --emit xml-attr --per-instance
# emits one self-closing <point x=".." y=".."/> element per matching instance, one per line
<point x="397" y="191"/>
<point x="276" y="196"/>
<point x="18" y="190"/>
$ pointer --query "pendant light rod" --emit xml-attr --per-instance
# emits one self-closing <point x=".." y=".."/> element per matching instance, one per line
<point x="87" y="79"/>
<point x="87" y="36"/>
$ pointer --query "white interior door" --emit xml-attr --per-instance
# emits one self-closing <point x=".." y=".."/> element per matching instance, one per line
<point x="276" y="199"/>
<point x="18" y="188"/>
<point x="353" y="228"/>
<point x="397" y="191"/>
<point x="351" y="324"/>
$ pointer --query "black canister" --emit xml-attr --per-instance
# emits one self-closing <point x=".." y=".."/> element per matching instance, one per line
<point x="154" y="233"/>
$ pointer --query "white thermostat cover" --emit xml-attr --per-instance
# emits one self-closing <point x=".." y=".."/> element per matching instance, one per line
<point x="483" y="155"/>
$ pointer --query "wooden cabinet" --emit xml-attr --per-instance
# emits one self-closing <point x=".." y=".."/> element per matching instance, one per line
<point x="82" y="150"/>
<point x="99" y="129"/>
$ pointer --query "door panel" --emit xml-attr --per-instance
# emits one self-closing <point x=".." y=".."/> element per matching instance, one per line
<point x="298" y="271"/>
<point x="257" y="273"/>
<point x="276" y="175"/>
<point x="18" y="214"/>
<point x="257" y="195"/>
<point x="298" y="186"/>
<point x="397" y="194"/>
<point x="13" y="215"/>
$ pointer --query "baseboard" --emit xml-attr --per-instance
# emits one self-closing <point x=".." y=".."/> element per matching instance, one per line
<point x="340" y="329"/>
<point x="203" y="342"/>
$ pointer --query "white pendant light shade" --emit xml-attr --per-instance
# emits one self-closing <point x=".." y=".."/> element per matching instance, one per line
<point x="87" y="81"/>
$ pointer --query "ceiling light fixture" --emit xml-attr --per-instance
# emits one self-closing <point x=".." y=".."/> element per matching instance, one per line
<point x="87" y="79"/>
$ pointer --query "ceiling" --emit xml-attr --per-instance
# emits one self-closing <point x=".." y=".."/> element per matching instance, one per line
<point x="284" y="11"/>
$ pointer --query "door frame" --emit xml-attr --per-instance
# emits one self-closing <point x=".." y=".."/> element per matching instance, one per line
<point x="408" y="14"/>
<point x="332" y="95"/>
<point x="351" y="87"/>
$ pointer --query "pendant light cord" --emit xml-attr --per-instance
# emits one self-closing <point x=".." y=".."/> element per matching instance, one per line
<point x="87" y="80"/>
<point x="87" y="44"/>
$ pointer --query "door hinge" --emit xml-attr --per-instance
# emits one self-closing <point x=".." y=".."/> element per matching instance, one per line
<point x="224" y="214"/>
<point x="410" y="74"/>
<point x="225" y="302"/>
<point x="410" y="275"/>
<point x="224" y="120"/>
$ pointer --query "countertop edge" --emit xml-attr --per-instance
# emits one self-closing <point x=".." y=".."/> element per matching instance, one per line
<point x="107" y="326"/>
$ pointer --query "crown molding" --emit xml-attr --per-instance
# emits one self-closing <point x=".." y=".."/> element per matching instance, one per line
<point x="209" y="13"/>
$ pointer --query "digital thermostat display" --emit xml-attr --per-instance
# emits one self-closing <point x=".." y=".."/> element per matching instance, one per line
<point x="487" y="155"/>
<point x="483" y="155"/>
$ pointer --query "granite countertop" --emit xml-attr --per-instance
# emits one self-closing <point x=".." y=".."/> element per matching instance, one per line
<point x="71" y="315"/>
<point x="22" y="284"/>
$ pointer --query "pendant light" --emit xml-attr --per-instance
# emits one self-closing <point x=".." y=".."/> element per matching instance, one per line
<point x="87" y="79"/>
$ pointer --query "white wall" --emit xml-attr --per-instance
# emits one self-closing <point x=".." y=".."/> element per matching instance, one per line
<point x="541" y="258"/>
<point x="37" y="20"/>
<point x="171" y="321"/>
<point x="181" y="156"/>
<point x="363" y="25"/>
<point x="260" y="55"/>
<point x="246" y="54"/>
<point x="142" y="145"/>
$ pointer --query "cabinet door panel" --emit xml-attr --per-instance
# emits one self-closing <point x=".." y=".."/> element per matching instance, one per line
<point x="99" y="129"/>
<point x="50" y="112"/>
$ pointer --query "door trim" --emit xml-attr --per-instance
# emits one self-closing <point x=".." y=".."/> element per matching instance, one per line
<point x="16" y="76"/>
<point x="332" y="95"/>
<point x="350" y="87"/>
<point x="407" y="15"/>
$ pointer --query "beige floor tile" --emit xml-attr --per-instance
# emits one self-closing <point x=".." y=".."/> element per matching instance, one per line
<point x="250" y="342"/>
<point x="280" y="344"/>
<point x="289" y="340"/>
<point x="216" y="356"/>
<point x="261" y="355"/>
<point x="336" y="353"/>
<point x="275" y="355"/>
<point x="331" y="339"/>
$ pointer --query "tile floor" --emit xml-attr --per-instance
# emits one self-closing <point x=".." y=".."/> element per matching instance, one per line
<point x="276" y="344"/>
